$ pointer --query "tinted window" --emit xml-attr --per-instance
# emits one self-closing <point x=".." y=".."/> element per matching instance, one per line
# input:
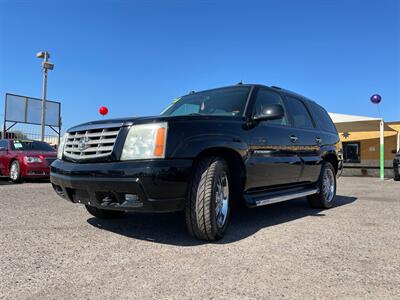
<point x="351" y="152"/>
<point x="266" y="97"/>
<point x="322" y="118"/>
<point x="3" y="144"/>
<point x="299" y="114"/>
<point x="225" y="102"/>
<point x="20" y="145"/>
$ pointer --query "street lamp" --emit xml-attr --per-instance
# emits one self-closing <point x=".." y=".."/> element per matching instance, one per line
<point x="46" y="66"/>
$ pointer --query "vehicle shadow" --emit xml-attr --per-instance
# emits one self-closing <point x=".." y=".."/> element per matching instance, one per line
<point x="171" y="228"/>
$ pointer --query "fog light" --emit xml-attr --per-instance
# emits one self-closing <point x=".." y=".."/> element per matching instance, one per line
<point x="131" y="197"/>
<point x="131" y="200"/>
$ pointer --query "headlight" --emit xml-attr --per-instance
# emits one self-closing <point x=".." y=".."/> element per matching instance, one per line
<point x="60" y="149"/>
<point x="145" y="141"/>
<point x="30" y="159"/>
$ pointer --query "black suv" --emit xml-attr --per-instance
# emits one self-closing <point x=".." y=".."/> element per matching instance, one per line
<point x="396" y="166"/>
<point x="247" y="143"/>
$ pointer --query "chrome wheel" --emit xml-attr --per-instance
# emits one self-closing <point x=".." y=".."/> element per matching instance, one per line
<point x="14" y="171"/>
<point x="221" y="200"/>
<point x="328" y="185"/>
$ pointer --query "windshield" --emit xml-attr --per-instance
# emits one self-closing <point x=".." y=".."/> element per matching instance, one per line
<point x="223" y="102"/>
<point x="19" y="145"/>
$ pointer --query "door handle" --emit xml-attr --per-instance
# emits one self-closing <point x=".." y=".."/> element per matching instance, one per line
<point x="318" y="140"/>
<point x="293" y="138"/>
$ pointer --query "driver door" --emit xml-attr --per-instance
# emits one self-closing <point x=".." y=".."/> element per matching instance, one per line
<point x="273" y="159"/>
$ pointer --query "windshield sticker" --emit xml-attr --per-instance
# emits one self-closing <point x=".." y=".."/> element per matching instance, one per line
<point x="18" y="145"/>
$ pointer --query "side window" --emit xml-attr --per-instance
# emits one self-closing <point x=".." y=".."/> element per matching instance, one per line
<point x="323" y="119"/>
<point x="266" y="97"/>
<point x="300" y="116"/>
<point x="3" y="144"/>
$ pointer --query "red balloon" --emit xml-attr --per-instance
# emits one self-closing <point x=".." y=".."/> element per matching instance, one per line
<point x="103" y="110"/>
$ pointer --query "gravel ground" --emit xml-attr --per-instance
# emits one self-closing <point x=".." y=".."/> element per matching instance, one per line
<point x="53" y="249"/>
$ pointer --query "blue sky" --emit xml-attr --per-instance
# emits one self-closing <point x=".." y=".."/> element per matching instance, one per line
<point x="136" y="56"/>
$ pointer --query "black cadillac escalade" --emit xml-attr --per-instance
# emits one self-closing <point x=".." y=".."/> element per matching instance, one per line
<point x="207" y="151"/>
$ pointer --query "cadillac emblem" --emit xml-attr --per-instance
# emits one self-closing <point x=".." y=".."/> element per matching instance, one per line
<point x="83" y="143"/>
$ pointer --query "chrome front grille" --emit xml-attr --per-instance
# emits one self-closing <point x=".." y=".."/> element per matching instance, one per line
<point x="89" y="144"/>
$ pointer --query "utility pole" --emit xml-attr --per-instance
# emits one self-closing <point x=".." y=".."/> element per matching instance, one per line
<point x="46" y="66"/>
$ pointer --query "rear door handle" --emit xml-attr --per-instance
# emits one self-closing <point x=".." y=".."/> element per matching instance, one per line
<point x="318" y="140"/>
<point x="293" y="138"/>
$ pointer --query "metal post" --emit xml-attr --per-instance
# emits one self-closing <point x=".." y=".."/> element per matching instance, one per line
<point x="5" y="118"/>
<point x="382" y="149"/>
<point x="45" y="59"/>
<point x="4" y="131"/>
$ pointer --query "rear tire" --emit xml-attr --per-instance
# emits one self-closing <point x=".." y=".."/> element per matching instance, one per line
<point x="208" y="204"/>
<point x="103" y="213"/>
<point x="327" y="188"/>
<point x="15" y="172"/>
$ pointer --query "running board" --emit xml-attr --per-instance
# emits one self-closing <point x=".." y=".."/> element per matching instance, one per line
<point x="265" y="199"/>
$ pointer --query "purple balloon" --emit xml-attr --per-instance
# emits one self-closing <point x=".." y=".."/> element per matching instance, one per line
<point x="376" y="99"/>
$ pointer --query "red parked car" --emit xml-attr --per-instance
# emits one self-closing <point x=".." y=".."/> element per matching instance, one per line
<point x="21" y="159"/>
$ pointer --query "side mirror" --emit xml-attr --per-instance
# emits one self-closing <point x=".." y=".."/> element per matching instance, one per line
<point x="270" y="112"/>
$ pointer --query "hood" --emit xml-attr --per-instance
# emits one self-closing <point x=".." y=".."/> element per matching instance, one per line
<point x="45" y="154"/>
<point x="142" y="120"/>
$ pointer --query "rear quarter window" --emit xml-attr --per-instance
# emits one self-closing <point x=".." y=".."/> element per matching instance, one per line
<point x="299" y="113"/>
<point x="322" y="118"/>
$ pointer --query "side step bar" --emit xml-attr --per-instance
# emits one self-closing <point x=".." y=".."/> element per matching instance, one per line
<point x="265" y="199"/>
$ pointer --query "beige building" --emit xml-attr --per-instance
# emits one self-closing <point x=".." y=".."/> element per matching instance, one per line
<point x="360" y="137"/>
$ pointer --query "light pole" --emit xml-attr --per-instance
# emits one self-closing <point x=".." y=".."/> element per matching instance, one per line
<point x="46" y="66"/>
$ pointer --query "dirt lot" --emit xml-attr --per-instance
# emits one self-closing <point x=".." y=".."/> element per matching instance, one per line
<point x="53" y="249"/>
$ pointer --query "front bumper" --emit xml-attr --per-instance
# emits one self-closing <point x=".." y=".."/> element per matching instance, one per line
<point x="148" y="186"/>
<point x="35" y="171"/>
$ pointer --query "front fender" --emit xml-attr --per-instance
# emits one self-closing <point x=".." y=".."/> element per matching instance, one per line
<point x="193" y="146"/>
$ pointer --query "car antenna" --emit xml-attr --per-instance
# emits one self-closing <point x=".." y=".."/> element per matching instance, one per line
<point x="192" y="92"/>
<point x="240" y="82"/>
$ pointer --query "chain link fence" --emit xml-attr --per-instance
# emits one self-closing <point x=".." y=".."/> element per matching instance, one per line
<point x="31" y="132"/>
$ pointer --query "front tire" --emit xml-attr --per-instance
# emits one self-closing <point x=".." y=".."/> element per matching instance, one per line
<point x="15" y="172"/>
<point x="208" y="206"/>
<point x="327" y="188"/>
<point x="103" y="213"/>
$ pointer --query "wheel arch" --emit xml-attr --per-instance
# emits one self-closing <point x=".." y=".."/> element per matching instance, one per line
<point x="234" y="160"/>
<point x="333" y="160"/>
